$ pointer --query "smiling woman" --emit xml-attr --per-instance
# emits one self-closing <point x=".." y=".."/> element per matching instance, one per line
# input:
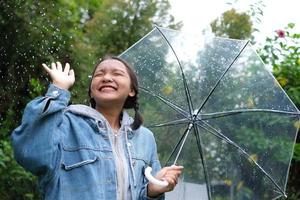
<point x="109" y="74"/>
<point x="97" y="152"/>
<point x="113" y="82"/>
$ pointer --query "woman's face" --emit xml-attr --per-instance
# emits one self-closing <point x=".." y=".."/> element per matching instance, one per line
<point x="111" y="83"/>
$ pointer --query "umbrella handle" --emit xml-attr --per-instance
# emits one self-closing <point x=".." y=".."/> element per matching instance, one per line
<point x="153" y="180"/>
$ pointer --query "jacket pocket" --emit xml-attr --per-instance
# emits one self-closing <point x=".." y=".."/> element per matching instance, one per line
<point x="79" y="164"/>
<point x="86" y="172"/>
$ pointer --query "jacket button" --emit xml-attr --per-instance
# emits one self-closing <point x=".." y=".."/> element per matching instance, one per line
<point x="129" y="144"/>
<point x="133" y="163"/>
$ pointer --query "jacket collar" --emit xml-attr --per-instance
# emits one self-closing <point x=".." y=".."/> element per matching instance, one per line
<point x="90" y="112"/>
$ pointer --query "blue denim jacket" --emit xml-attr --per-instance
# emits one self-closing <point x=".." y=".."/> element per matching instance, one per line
<point x="71" y="152"/>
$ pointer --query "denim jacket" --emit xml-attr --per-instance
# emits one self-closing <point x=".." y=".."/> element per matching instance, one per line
<point x="71" y="153"/>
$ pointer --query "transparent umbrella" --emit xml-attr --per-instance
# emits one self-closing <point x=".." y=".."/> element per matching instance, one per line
<point x="217" y="110"/>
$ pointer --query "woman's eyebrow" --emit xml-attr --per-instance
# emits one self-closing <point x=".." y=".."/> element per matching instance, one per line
<point x="98" y="70"/>
<point x="109" y="69"/>
<point x="119" y="70"/>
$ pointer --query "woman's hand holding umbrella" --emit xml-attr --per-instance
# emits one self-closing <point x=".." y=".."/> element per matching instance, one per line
<point x="169" y="175"/>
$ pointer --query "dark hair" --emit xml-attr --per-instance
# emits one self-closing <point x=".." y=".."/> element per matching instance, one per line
<point x="130" y="102"/>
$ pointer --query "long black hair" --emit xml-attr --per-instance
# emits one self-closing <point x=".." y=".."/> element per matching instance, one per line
<point x="130" y="102"/>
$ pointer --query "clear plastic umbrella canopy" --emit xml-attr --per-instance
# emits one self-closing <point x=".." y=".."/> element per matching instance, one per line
<point x="217" y="110"/>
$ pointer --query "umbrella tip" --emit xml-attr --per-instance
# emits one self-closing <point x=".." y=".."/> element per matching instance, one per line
<point x="195" y="112"/>
<point x="156" y="26"/>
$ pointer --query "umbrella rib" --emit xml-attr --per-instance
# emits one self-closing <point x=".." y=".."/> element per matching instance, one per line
<point x="145" y="36"/>
<point x="186" y="89"/>
<point x="169" y="123"/>
<point x="234" y="112"/>
<point x="172" y="105"/>
<point x="221" y="77"/>
<point x="203" y="162"/>
<point x="230" y="142"/>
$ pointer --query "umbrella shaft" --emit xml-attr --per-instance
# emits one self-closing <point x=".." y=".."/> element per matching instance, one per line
<point x="183" y="142"/>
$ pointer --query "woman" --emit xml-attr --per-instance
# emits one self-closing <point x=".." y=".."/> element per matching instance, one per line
<point x="97" y="152"/>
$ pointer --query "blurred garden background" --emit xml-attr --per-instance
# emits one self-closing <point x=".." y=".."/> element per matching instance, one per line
<point x="80" y="32"/>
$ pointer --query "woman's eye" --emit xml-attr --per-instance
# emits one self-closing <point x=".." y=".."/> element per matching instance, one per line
<point x="117" y="74"/>
<point x="98" y="74"/>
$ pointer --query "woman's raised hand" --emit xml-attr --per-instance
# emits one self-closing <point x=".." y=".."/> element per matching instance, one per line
<point x="63" y="78"/>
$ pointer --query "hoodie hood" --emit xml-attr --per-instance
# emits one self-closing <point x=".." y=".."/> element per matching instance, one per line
<point x="90" y="112"/>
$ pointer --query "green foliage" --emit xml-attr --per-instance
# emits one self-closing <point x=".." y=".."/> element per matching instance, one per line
<point x="36" y="88"/>
<point x="233" y="25"/>
<point x="74" y="31"/>
<point x="255" y="11"/>
<point x="297" y="152"/>
<point x="34" y="32"/>
<point x="15" y="182"/>
<point x="281" y="53"/>
<point x="114" y="27"/>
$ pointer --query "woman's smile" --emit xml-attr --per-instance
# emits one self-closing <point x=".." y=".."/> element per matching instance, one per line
<point x="108" y="88"/>
<point x="111" y="83"/>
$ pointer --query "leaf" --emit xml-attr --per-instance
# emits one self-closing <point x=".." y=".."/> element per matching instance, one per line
<point x="253" y="157"/>
<point x="282" y="81"/>
<point x="167" y="90"/>
<point x="250" y="102"/>
<point x="291" y="25"/>
<point x="228" y="182"/>
<point x="297" y="124"/>
<point x="296" y="155"/>
<point x="240" y="185"/>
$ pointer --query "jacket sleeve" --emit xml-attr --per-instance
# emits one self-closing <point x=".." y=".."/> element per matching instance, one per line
<point x="156" y="166"/>
<point x="36" y="141"/>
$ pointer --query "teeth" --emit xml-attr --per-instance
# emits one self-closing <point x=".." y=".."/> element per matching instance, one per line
<point x="107" y="87"/>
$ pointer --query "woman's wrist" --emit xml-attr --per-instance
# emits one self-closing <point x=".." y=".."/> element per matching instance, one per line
<point x="61" y="85"/>
<point x="153" y="191"/>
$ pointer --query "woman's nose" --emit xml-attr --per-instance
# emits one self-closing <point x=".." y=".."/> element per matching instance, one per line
<point x="107" y="78"/>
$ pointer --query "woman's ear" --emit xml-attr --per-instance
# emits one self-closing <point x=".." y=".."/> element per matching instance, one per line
<point x="131" y="93"/>
<point x="91" y="95"/>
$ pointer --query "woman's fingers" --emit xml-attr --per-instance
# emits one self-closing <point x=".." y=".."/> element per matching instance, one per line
<point x="48" y="70"/>
<point x="171" y="174"/>
<point x="64" y="78"/>
<point x="67" y="68"/>
<point x="53" y="66"/>
<point x="172" y="180"/>
<point x="59" y="66"/>
<point x="174" y="169"/>
<point x="71" y="72"/>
